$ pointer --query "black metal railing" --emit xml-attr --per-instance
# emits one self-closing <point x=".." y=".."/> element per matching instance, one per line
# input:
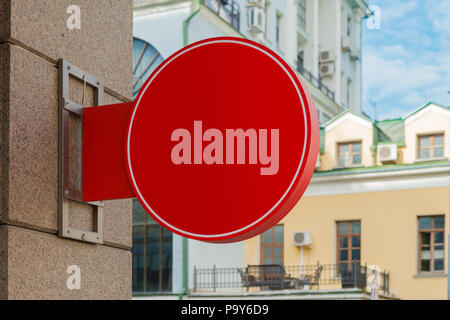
<point x="228" y="10"/>
<point x="317" y="82"/>
<point x="279" y="277"/>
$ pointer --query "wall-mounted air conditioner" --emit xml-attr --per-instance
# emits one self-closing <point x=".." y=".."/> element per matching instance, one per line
<point x="327" y="56"/>
<point x="256" y="3"/>
<point x="302" y="239"/>
<point x="326" y="69"/>
<point x="346" y="43"/>
<point x="387" y="152"/>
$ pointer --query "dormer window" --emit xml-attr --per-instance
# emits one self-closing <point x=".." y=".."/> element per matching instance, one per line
<point x="431" y="146"/>
<point x="349" y="154"/>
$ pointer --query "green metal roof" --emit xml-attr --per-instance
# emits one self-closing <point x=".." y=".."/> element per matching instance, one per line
<point x="384" y="168"/>
<point x="390" y="131"/>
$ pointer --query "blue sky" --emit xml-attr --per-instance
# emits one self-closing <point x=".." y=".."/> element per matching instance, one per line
<point x="406" y="63"/>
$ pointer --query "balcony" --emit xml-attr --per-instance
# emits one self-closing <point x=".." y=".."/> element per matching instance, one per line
<point x="309" y="278"/>
<point x="228" y="10"/>
<point x="317" y="82"/>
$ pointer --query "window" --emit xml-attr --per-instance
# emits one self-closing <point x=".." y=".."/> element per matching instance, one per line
<point x="300" y="59"/>
<point x="279" y="31"/>
<point x="152" y="253"/>
<point x="267" y="10"/>
<point x="145" y="60"/>
<point x="272" y="245"/>
<point x="349" y="154"/>
<point x="349" y="26"/>
<point x="431" y="146"/>
<point x="431" y="243"/>
<point x="349" y="93"/>
<point x="348" y="244"/>
<point x="301" y="14"/>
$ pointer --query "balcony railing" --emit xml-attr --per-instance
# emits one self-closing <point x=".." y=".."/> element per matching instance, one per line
<point x="278" y="277"/>
<point x="317" y="82"/>
<point x="228" y="10"/>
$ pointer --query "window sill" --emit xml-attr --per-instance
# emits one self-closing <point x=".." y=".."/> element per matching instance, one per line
<point x="433" y="274"/>
<point x="430" y="159"/>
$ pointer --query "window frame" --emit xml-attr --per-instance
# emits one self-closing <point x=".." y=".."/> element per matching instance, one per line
<point x="431" y="147"/>
<point x="432" y="244"/>
<point x="144" y="224"/>
<point x="301" y="14"/>
<point x="351" y="164"/>
<point x="350" y="247"/>
<point x="273" y="244"/>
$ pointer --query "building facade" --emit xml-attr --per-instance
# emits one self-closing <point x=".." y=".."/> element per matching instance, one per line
<point x="381" y="197"/>
<point x="318" y="38"/>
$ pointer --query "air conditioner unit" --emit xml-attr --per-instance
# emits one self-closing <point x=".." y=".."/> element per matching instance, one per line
<point x="256" y="19"/>
<point x="326" y="69"/>
<point x="346" y="43"/>
<point x="256" y="3"/>
<point x="387" y="152"/>
<point x="327" y="56"/>
<point x="302" y="239"/>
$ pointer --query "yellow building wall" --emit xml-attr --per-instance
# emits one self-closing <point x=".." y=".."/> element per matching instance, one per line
<point x="429" y="123"/>
<point x="389" y="234"/>
<point x="347" y="131"/>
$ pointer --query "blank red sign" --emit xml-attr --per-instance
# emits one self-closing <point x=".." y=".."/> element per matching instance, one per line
<point x="222" y="140"/>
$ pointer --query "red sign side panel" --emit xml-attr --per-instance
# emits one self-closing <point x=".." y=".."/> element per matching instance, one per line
<point x="104" y="167"/>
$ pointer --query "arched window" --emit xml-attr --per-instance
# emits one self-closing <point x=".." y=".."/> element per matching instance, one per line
<point x="145" y="60"/>
<point x="152" y="244"/>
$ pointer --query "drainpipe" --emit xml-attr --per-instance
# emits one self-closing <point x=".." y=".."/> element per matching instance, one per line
<point x="196" y="6"/>
<point x="185" y="269"/>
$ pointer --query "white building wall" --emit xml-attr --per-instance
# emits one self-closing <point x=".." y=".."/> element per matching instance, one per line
<point x="162" y="28"/>
<point x="206" y="255"/>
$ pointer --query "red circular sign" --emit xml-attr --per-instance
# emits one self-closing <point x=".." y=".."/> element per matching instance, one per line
<point x="222" y="140"/>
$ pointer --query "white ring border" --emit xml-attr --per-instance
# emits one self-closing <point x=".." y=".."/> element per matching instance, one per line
<point x="137" y="105"/>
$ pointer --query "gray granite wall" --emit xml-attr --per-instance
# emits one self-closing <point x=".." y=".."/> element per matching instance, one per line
<point x="33" y="37"/>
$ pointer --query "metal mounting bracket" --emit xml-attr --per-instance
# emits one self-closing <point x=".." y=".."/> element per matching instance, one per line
<point x="66" y="190"/>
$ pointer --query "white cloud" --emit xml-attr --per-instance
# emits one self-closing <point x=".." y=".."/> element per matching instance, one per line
<point x="393" y="10"/>
<point x="439" y="13"/>
<point x="407" y="63"/>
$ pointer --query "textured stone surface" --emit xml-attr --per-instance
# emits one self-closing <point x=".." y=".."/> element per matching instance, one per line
<point x="102" y="47"/>
<point x="33" y="264"/>
<point x="33" y="153"/>
<point x="33" y="140"/>
<point x="118" y="222"/>
<point x="4" y="19"/>
<point x="3" y="263"/>
<point x="4" y="102"/>
<point x="38" y="262"/>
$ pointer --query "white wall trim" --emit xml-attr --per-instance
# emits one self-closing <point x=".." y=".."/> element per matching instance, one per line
<point x="421" y="113"/>
<point x="379" y="181"/>
<point x="349" y="116"/>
